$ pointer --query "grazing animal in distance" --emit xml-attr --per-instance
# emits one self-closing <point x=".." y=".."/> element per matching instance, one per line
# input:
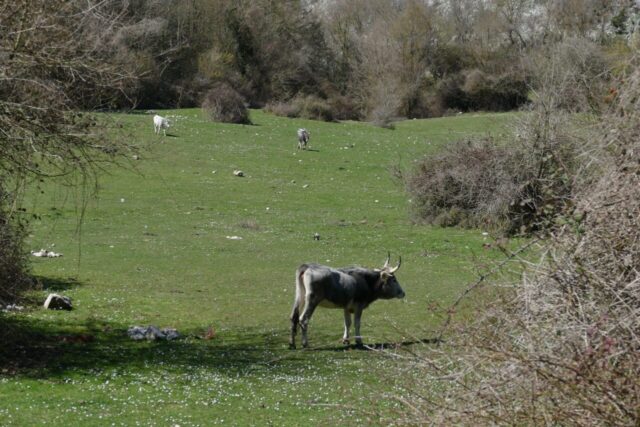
<point x="160" y="123"/>
<point x="352" y="289"/>
<point x="303" y="138"/>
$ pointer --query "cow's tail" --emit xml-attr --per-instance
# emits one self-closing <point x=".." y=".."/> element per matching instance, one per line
<point x="298" y="304"/>
<point x="300" y="289"/>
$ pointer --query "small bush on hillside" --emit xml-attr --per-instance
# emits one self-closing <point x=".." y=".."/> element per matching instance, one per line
<point x="450" y="94"/>
<point x="224" y="104"/>
<point x="315" y="108"/>
<point x="470" y="183"/>
<point x="384" y="104"/>
<point x="284" y="109"/>
<point x="503" y="93"/>
<point x="475" y="90"/>
<point x="336" y="107"/>
<point x="344" y="108"/>
<point x="516" y="186"/>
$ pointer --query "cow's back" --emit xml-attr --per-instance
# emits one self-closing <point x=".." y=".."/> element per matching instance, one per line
<point x="336" y="286"/>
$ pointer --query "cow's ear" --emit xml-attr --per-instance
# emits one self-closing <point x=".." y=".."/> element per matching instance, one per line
<point x="384" y="276"/>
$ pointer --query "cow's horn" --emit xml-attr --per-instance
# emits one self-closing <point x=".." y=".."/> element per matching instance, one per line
<point x="394" y="269"/>
<point x="386" y="263"/>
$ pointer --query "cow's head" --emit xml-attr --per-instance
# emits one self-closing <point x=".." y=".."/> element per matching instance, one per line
<point x="389" y="286"/>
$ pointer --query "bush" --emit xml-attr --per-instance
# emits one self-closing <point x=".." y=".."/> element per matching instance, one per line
<point x="223" y="104"/>
<point x="315" y="108"/>
<point x="384" y="104"/>
<point x="572" y="76"/>
<point x="344" y="108"/>
<point x="308" y="107"/>
<point x="470" y="183"/>
<point x="450" y="95"/>
<point x="517" y="187"/>
<point x="503" y="93"/>
<point x="284" y="109"/>
<point x="475" y="90"/>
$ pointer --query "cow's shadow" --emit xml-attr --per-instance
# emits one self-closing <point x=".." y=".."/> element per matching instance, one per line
<point x="380" y="346"/>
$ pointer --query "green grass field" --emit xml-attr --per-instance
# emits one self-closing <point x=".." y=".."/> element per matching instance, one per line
<point x="153" y="249"/>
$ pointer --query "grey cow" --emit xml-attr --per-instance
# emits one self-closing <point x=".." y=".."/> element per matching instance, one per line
<point x="303" y="138"/>
<point x="351" y="289"/>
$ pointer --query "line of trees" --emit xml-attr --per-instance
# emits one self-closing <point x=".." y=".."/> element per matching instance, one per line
<point x="365" y="59"/>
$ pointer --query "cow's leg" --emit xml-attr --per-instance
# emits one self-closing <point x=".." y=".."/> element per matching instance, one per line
<point x="310" y="305"/>
<point x="295" y="320"/>
<point x="347" y="325"/>
<point x="356" y="321"/>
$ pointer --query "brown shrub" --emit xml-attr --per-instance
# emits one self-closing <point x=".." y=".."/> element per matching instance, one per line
<point x="571" y="76"/>
<point x="308" y="107"/>
<point x="466" y="184"/>
<point x="284" y="109"/>
<point x="314" y="108"/>
<point x="517" y="186"/>
<point x="224" y="104"/>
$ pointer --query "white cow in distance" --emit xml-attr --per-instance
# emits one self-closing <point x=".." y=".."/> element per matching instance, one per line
<point x="159" y="123"/>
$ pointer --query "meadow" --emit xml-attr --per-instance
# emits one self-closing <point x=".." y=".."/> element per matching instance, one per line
<point x="153" y="248"/>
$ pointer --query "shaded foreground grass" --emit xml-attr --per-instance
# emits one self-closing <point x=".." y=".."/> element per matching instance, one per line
<point x="154" y="249"/>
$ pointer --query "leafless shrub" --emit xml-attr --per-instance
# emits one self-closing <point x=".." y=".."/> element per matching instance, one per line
<point x="517" y="186"/>
<point x="560" y="347"/>
<point x="284" y="109"/>
<point x="336" y="107"/>
<point x="572" y="75"/>
<point x="467" y="184"/>
<point x="224" y="104"/>
<point x="313" y="107"/>
<point x="308" y="107"/>
<point x="384" y="103"/>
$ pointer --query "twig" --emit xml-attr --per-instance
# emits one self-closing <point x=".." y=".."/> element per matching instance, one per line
<point x="477" y="283"/>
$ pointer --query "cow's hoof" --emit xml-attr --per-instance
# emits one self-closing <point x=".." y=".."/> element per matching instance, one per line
<point x="292" y="346"/>
<point x="346" y="342"/>
<point x="359" y="344"/>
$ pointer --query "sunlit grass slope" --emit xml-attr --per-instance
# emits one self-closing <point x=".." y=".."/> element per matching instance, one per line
<point x="154" y="248"/>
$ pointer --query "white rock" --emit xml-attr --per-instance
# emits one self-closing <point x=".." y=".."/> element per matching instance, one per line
<point x="40" y="253"/>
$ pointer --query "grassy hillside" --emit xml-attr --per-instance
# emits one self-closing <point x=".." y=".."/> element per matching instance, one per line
<point x="153" y="248"/>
